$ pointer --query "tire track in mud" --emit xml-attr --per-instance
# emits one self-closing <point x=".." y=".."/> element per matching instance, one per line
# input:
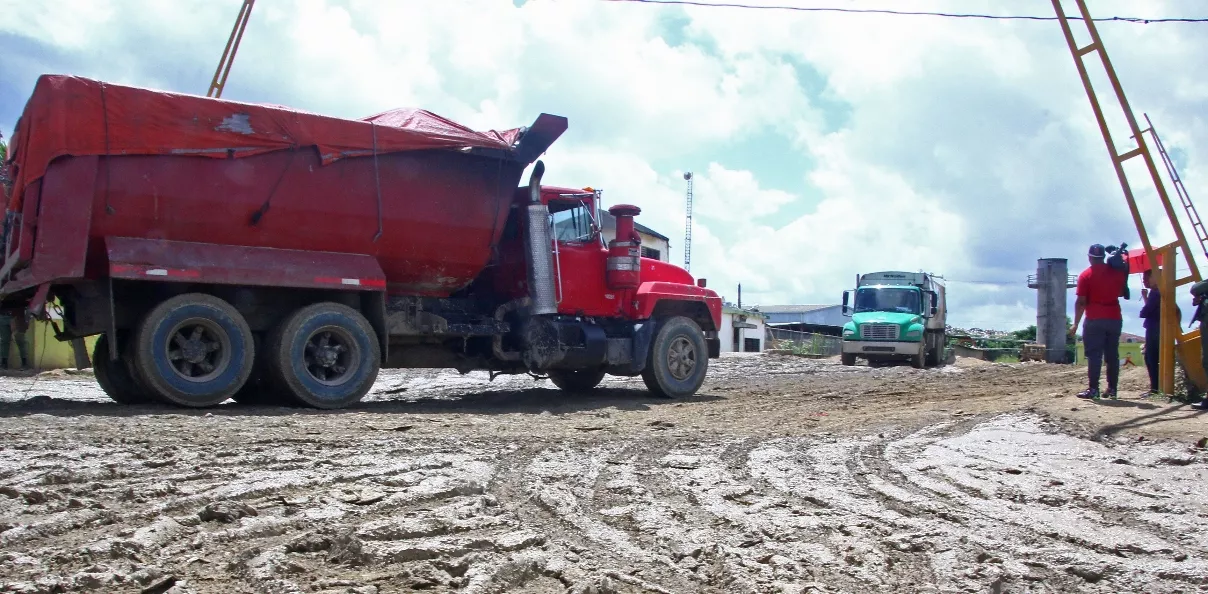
<point x="325" y="503"/>
<point x="946" y="508"/>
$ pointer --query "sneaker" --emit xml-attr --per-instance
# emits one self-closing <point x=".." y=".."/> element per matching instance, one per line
<point x="1150" y="393"/>
<point x="1111" y="393"/>
<point x="1089" y="394"/>
<point x="1201" y="405"/>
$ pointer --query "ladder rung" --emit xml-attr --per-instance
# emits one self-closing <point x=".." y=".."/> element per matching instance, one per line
<point x="1185" y="280"/>
<point x="1128" y="155"/>
<point x="1082" y="51"/>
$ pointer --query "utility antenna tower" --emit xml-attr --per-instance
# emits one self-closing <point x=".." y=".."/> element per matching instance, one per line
<point x="688" y="226"/>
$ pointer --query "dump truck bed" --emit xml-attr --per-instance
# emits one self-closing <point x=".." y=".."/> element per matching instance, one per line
<point x="424" y="196"/>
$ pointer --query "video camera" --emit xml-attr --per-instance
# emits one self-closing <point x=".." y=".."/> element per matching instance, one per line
<point x="1117" y="257"/>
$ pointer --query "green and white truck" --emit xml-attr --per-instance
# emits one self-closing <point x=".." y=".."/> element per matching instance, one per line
<point x="895" y="316"/>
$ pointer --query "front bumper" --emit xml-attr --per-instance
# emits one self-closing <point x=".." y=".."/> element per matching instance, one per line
<point x="873" y="347"/>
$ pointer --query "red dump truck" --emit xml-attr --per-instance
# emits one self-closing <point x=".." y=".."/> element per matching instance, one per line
<point x="232" y="250"/>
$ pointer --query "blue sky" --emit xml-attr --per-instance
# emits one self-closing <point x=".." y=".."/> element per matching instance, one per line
<point x="823" y="145"/>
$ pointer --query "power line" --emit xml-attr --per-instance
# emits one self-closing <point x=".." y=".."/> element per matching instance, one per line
<point x="953" y="15"/>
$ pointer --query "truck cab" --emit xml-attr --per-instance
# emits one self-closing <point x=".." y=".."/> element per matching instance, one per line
<point x="895" y="316"/>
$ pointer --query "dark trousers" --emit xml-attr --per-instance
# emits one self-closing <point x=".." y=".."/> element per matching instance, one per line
<point x="1102" y="340"/>
<point x="1151" y="357"/>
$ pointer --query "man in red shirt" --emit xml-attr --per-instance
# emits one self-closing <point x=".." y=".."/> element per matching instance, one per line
<point x="1098" y="292"/>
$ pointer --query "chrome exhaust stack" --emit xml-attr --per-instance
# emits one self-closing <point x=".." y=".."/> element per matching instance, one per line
<point x="540" y="251"/>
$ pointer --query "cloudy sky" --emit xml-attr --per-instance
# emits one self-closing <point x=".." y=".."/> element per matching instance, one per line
<point x="823" y="144"/>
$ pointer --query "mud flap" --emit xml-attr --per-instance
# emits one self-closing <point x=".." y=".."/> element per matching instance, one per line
<point x="643" y="335"/>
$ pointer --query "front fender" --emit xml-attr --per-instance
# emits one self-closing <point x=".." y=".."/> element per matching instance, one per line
<point x="661" y="298"/>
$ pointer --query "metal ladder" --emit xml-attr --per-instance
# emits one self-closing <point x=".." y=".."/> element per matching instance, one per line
<point x="1192" y="215"/>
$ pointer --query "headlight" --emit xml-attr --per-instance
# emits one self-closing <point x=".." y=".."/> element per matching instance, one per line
<point x="914" y="333"/>
<point x="849" y="332"/>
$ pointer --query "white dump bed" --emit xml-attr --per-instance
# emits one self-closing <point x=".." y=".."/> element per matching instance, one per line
<point x="890" y="277"/>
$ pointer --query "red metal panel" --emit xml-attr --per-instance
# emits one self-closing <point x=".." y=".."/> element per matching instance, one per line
<point x="650" y="293"/>
<point x="182" y="261"/>
<point x="440" y="210"/>
<point x="64" y="219"/>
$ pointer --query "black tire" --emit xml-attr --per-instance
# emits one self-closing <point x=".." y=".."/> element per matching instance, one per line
<point x="848" y="359"/>
<point x="260" y="389"/>
<point x="919" y="361"/>
<point x="681" y="338"/>
<point x="355" y="364"/>
<point x="576" y="381"/>
<point x="209" y="357"/>
<point x="935" y="355"/>
<point x="114" y="376"/>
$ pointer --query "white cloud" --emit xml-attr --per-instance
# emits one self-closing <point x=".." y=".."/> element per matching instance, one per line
<point x="962" y="147"/>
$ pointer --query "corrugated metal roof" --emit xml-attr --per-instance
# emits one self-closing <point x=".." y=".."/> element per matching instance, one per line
<point x="794" y="308"/>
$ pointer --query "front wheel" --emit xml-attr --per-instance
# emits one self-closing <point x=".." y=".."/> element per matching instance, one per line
<point x="919" y="361"/>
<point x="325" y="355"/>
<point x="678" y="359"/>
<point x="848" y="359"/>
<point x="576" y="381"/>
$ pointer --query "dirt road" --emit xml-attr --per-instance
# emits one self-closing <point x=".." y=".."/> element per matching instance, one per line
<point x="782" y="475"/>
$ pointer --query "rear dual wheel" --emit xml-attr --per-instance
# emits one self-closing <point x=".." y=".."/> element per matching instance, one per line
<point x="193" y="350"/>
<point x="576" y="380"/>
<point x="115" y="378"/>
<point x="196" y="350"/>
<point x="324" y="355"/>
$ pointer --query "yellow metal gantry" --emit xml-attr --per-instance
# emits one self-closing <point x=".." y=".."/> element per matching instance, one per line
<point x="218" y="83"/>
<point x="1172" y="337"/>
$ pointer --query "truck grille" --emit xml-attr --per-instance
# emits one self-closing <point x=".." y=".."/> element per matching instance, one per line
<point x="879" y="331"/>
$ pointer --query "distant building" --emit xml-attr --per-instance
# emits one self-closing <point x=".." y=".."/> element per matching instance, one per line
<point x="822" y="319"/>
<point x="1125" y="337"/>
<point x="655" y="245"/>
<point x="742" y="330"/>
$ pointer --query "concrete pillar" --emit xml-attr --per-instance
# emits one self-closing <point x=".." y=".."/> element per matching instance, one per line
<point x="1052" y="284"/>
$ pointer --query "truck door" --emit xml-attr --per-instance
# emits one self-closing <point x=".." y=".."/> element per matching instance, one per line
<point x="579" y="257"/>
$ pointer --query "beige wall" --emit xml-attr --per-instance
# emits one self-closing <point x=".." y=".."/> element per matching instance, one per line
<point x="44" y="351"/>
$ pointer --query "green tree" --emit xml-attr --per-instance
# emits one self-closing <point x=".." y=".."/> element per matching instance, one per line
<point x="4" y="181"/>
<point x="1028" y="333"/>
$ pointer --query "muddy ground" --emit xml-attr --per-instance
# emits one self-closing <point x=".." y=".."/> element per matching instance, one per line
<point x="782" y="475"/>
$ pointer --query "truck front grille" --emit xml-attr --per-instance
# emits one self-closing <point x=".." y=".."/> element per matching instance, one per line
<point x="879" y="331"/>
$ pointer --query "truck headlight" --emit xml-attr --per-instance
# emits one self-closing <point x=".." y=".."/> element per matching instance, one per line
<point x="849" y="332"/>
<point x="914" y="333"/>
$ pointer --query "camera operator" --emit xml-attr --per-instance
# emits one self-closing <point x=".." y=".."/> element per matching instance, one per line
<point x="1099" y="289"/>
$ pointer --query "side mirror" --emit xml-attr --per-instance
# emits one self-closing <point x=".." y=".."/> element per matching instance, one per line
<point x="935" y="302"/>
<point x="846" y="298"/>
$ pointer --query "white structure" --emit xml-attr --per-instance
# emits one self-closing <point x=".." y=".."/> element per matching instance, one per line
<point x="655" y="245"/>
<point x="742" y="330"/>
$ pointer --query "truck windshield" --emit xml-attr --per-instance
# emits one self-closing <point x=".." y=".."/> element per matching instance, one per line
<point x="572" y="221"/>
<point x="888" y="299"/>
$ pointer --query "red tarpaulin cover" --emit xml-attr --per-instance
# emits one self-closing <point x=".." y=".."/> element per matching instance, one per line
<point x="69" y="115"/>
<point x="1138" y="262"/>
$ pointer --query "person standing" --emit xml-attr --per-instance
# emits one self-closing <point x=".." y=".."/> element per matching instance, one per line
<point x="1098" y="291"/>
<point x="12" y="327"/>
<point x="1151" y="312"/>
